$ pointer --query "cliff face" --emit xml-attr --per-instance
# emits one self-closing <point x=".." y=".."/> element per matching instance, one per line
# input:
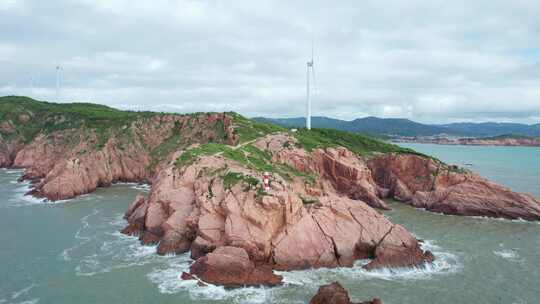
<point x="68" y="162"/>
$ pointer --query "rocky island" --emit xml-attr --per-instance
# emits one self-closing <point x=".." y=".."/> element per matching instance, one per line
<point x="206" y="171"/>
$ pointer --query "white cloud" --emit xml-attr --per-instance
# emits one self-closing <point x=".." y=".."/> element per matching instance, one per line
<point x="432" y="61"/>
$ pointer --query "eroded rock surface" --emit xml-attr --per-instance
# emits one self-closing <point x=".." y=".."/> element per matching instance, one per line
<point x="344" y="171"/>
<point x="425" y="183"/>
<point x="195" y="208"/>
<point x="334" y="293"/>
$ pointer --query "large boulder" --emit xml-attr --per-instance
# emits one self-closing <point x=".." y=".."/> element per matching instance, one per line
<point x="334" y="293"/>
<point x="231" y="267"/>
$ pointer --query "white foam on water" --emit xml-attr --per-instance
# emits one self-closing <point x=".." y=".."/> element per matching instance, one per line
<point x="33" y="301"/>
<point x="445" y="263"/>
<point x="15" y="296"/>
<point x="142" y="187"/>
<point x="136" y="186"/>
<point x="12" y="171"/>
<point x="167" y="278"/>
<point x="79" y="235"/>
<point x="22" y="291"/>
<point x="118" y="221"/>
<point x="508" y="254"/>
<point x="20" y="199"/>
<point x="102" y="248"/>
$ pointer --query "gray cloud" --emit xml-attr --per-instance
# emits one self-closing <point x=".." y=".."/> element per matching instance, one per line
<point x="432" y="61"/>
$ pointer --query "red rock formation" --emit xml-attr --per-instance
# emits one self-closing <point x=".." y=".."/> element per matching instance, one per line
<point x="231" y="267"/>
<point x="425" y="183"/>
<point x="70" y="162"/>
<point x="347" y="174"/>
<point x="8" y="151"/>
<point x="191" y="209"/>
<point x="334" y="293"/>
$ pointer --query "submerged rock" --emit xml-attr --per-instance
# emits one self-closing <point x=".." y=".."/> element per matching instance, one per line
<point x="334" y="293"/>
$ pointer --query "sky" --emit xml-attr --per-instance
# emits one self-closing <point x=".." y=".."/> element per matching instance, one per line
<point x="430" y="61"/>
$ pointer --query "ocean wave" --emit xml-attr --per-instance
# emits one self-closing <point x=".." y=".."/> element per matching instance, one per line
<point x="445" y="263"/>
<point x="14" y="298"/>
<point x="167" y="277"/>
<point x="101" y="248"/>
<point x="508" y="254"/>
<point x="22" y="291"/>
<point x="12" y="171"/>
<point x="136" y="186"/>
<point x="115" y="255"/>
<point x="79" y="235"/>
<point x="142" y="187"/>
<point x="20" y="199"/>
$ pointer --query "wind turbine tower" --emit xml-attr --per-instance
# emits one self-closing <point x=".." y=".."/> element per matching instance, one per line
<point x="58" y="79"/>
<point x="310" y="71"/>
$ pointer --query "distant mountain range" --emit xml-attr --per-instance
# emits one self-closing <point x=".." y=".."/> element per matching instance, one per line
<point x="406" y="127"/>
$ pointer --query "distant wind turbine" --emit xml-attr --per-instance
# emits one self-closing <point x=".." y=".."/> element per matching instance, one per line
<point x="309" y="72"/>
<point x="58" y="80"/>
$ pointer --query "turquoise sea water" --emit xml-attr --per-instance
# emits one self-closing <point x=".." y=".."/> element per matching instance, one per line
<point x="71" y="251"/>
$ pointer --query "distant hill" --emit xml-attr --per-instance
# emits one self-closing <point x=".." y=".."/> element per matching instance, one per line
<point x="492" y="129"/>
<point x="406" y="127"/>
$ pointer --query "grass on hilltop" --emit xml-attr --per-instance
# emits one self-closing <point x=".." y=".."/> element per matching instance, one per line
<point x="248" y="156"/>
<point x="48" y="117"/>
<point x="357" y="143"/>
<point x="248" y="129"/>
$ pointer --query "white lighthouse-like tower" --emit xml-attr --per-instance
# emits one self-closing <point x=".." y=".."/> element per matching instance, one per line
<point x="309" y="71"/>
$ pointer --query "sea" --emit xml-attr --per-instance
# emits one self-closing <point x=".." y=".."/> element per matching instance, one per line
<point x="72" y="252"/>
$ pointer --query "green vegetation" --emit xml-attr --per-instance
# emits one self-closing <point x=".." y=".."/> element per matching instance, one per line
<point x="248" y="156"/>
<point x="308" y="201"/>
<point x="190" y="156"/>
<point x="359" y="144"/>
<point x="248" y="129"/>
<point x="168" y="146"/>
<point x="49" y="117"/>
<point x="232" y="178"/>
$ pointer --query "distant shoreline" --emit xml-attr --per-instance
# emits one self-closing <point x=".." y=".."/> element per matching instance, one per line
<point x="506" y="141"/>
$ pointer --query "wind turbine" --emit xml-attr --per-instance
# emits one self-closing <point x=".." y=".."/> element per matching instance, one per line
<point x="58" y="79"/>
<point x="309" y="72"/>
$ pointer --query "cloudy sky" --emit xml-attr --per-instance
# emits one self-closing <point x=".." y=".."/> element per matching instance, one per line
<point x="431" y="61"/>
